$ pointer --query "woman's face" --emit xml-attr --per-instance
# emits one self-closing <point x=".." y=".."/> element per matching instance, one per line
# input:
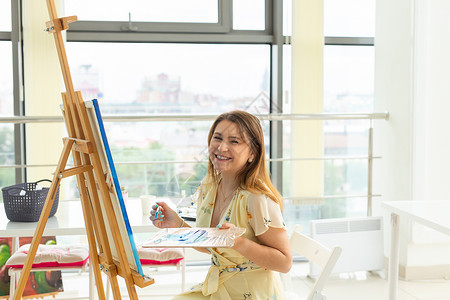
<point x="228" y="150"/>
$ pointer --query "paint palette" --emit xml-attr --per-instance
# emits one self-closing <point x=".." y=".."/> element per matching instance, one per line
<point x="194" y="237"/>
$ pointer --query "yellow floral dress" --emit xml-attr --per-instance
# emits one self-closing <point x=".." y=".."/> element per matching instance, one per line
<point x="231" y="275"/>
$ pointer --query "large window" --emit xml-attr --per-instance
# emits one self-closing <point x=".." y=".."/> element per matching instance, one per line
<point x="199" y="57"/>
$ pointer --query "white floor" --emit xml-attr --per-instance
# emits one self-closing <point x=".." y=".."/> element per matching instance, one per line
<point x="349" y="286"/>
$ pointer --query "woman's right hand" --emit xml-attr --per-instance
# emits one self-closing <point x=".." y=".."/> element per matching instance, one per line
<point x="166" y="217"/>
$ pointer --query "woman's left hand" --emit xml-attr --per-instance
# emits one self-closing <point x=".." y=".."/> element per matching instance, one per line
<point x="225" y="226"/>
<point x="228" y="226"/>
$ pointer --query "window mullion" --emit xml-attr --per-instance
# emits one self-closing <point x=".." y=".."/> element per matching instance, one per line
<point x="226" y="14"/>
<point x="276" y="103"/>
<point x="19" y="129"/>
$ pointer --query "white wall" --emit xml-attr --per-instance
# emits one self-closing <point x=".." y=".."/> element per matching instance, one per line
<point x="412" y="83"/>
<point x="433" y="89"/>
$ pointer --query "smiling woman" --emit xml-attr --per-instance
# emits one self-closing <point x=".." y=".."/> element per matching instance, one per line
<point x="237" y="192"/>
<point x="229" y="149"/>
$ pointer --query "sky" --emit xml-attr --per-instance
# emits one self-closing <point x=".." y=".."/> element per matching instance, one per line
<point x="221" y="70"/>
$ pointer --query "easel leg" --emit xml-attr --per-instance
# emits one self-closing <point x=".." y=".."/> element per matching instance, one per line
<point x="93" y="255"/>
<point x="114" y="287"/>
<point x="91" y="281"/>
<point x="97" y="274"/>
<point x="107" y="288"/>
<point x="101" y="233"/>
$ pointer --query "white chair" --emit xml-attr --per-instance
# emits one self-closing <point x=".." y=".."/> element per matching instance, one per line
<point x="316" y="253"/>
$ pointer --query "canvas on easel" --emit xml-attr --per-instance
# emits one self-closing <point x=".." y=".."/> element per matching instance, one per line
<point x="112" y="180"/>
<point x="96" y="121"/>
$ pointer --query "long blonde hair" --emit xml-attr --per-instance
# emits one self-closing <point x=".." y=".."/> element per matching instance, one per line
<point x="254" y="177"/>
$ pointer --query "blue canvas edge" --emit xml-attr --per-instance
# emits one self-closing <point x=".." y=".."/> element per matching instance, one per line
<point x="117" y="186"/>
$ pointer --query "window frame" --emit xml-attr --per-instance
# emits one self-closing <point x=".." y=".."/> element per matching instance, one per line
<point x="5" y="36"/>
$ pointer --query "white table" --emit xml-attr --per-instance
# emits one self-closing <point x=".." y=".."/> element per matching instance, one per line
<point x="69" y="220"/>
<point x="433" y="214"/>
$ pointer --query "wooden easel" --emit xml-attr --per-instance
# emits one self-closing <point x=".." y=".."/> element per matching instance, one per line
<point x="91" y="184"/>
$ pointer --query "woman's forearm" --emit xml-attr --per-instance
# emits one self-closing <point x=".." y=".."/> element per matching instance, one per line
<point x="264" y="256"/>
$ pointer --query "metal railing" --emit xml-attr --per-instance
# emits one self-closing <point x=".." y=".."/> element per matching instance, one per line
<point x="181" y="118"/>
<point x="269" y="117"/>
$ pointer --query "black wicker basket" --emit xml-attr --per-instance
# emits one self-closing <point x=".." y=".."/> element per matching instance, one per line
<point x="27" y="207"/>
